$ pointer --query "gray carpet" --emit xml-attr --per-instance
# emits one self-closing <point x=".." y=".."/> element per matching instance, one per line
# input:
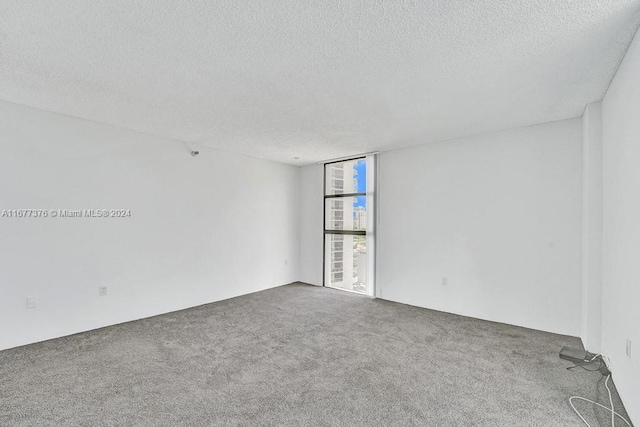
<point x="297" y="355"/>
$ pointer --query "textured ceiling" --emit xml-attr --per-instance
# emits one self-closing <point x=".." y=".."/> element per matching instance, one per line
<point x="312" y="79"/>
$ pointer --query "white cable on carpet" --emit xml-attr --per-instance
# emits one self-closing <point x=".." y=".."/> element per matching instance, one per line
<point x="613" y="418"/>
<point x="612" y="409"/>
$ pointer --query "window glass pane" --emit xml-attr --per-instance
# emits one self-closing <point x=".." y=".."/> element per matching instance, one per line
<point x="346" y="262"/>
<point x="346" y="213"/>
<point x="346" y="177"/>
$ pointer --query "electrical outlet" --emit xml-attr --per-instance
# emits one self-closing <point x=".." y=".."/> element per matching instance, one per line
<point x="628" y="348"/>
<point x="32" y="302"/>
<point x="445" y="282"/>
<point x="103" y="290"/>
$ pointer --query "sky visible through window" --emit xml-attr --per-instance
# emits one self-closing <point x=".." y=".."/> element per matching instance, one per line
<point x="361" y="168"/>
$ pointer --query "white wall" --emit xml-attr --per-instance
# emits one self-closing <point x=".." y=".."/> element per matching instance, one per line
<point x="591" y="326"/>
<point x="202" y="229"/>
<point x="498" y="215"/>
<point x="311" y="229"/>
<point x="621" y="196"/>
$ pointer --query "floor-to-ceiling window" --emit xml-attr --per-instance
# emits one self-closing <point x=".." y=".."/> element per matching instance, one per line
<point x="345" y="225"/>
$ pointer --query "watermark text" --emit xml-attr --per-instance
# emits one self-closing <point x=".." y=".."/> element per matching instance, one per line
<point x="65" y="213"/>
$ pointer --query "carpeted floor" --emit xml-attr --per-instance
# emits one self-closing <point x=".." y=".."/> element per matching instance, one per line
<point x="298" y="355"/>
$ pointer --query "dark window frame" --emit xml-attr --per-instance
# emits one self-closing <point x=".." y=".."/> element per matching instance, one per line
<point x="324" y="214"/>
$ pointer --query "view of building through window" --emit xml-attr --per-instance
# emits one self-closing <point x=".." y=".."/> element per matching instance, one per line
<point x="345" y="225"/>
